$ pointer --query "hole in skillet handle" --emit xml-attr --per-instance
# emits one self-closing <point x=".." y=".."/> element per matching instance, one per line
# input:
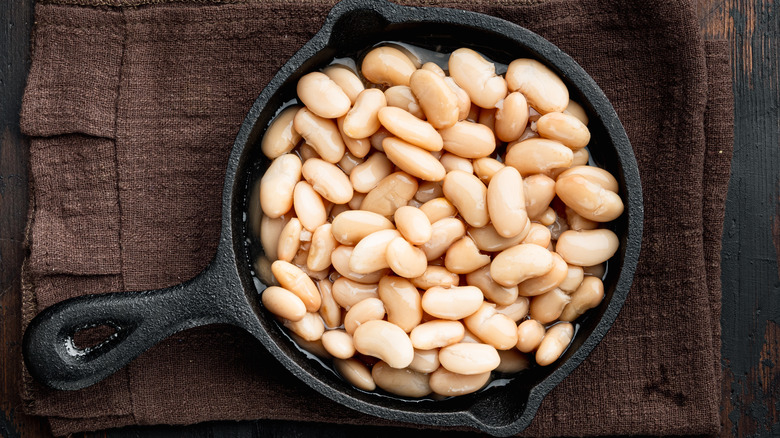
<point x="352" y="28"/>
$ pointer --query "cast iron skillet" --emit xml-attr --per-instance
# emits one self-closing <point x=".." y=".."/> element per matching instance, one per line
<point x="227" y="291"/>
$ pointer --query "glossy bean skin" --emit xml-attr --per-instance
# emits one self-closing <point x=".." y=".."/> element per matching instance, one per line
<point x="413" y="225"/>
<point x="308" y="206"/>
<point x="548" y="306"/>
<point x="435" y="276"/>
<point x="270" y="230"/>
<point x="359" y="147"/>
<point x="413" y="160"/>
<point x="506" y="202"/>
<point x="310" y="327"/>
<point x="322" y="96"/>
<point x="278" y="184"/>
<point x="555" y="342"/>
<point x="320" y="133"/>
<point x="280" y="137"/>
<point x="588" y="247"/>
<point x="328" y="180"/>
<point x="538" y="155"/>
<point x="453" y="162"/>
<point x="587" y="296"/>
<point x="369" y="254"/>
<point x="486" y="167"/>
<point x="438" y="101"/>
<point x="539" y="193"/>
<point x="547" y="282"/>
<point x="468" y="139"/>
<point x="283" y="303"/>
<point x="511" y="117"/>
<point x="512" y="361"/>
<point x="385" y="341"/>
<point x="538" y="235"/>
<point x="394" y="191"/>
<point x="330" y="311"/>
<point x="477" y="76"/>
<point x="463" y="257"/>
<point x="593" y="174"/>
<point x="454" y="303"/>
<point x="428" y="190"/>
<point x="529" y="335"/>
<point x="488" y="239"/>
<point x="517" y="310"/>
<point x="322" y="245"/>
<point x="401" y="96"/>
<point x="425" y="361"/>
<point x="468" y="195"/>
<point x="350" y="227"/>
<point x="362" y="120"/>
<point x="469" y="358"/>
<point x="338" y="343"/>
<point x="574" y="277"/>
<point x="492" y="291"/>
<point x="520" y="263"/>
<point x="365" y="176"/>
<point x="437" y="209"/>
<point x="340" y="259"/>
<point x="444" y="233"/>
<point x="387" y="66"/>
<point x="369" y="309"/>
<point x="402" y="302"/>
<point x="589" y="200"/>
<point x="296" y="281"/>
<point x="404" y="382"/>
<point x="404" y="259"/>
<point x="464" y="101"/>
<point x="492" y="328"/>
<point x="447" y="383"/>
<point x="568" y="130"/>
<point x="345" y="78"/>
<point x="437" y="333"/>
<point x="544" y="90"/>
<point x="409" y="128"/>
<point x="347" y="293"/>
<point x="355" y="373"/>
<point x="576" y="110"/>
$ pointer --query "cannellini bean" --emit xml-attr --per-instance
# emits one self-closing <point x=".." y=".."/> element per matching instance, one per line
<point x="351" y="226"/>
<point x="313" y="347"/>
<point x="328" y="180"/>
<point x="425" y="361"/>
<point x="355" y="373"/>
<point x="512" y="361"/>
<point x="270" y="230"/>
<point x="565" y="129"/>
<point x="366" y="176"/>
<point x="574" y="277"/>
<point x="306" y="151"/>
<point x="517" y="310"/>
<point x="587" y="296"/>
<point x="529" y="335"/>
<point x="547" y="282"/>
<point x="310" y="327"/>
<point x="454" y="303"/>
<point x="595" y="270"/>
<point x="413" y="160"/>
<point x="386" y="341"/>
<point x="409" y="128"/>
<point x="330" y="311"/>
<point x="402" y="302"/>
<point x="492" y="328"/>
<point x="453" y="162"/>
<point x="469" y="358"/>
<point x="576" y="110"/>
<point x="538" y="235"/>
<point x="538" y="155"/>
<point x="595" y="175"/>
<point x="434" y="68"/>
<point x="436" y="333"/>
<point x="296" y="281"/>
<point x="438" y="209"/>
<point x="447" y="383"/>
<point x="581" y="157"/>
<point x="511" y="117"/>
<point x="587" y="247"/>
<point x="387" y="66"/>
<point x="469" y="140"/>
<point x="322" y="245"/>
<point x="369" y="254"/>
<point x="340" y="260"/>
<point x="486" y="167"/>
<point x="490" y="289"/>
<point x="308" y="206"/>
<point x="322" y="96"/>
<point x="283" y="303"/>
<point x="405" y="259"/>
<point x="280" y="137"/>
<point x="366" y="310"/>
<point x="262" y="268"/>
<point x="278" y="184"/>
<point x="338" y="343"/>
<point x="347" y="292"/>
<point x="588" y="199"/>
<point x="519" y="263"/>
<point x="394" y="191"/>
<point x="438" y="101"/>
<point x="444" y="233"/>
<point x="506" y="202"/>
<point x="428" y="190"/>
<point x="555" y="342"/>
<point x="401" y="96"/>
<point x="488" y="239"/>
<point x="468" y="195"/>
<point x="464" y="102"/>
<point x="463" y="257"/>
<point x="362" y="120"/>
<point x="320" y="133"/>
<point x="359" y="147"/>
<point x="548" y="306"/>
<point x="477" y="76"/>
<point x="548" y="217"/>
<point x="544" y="90"/>
<point x="413" y="225"/>
<point x="436" y="276"/>
<point x="404" y="382"/>
<point x="289" y="240"/>
<point x="487" y="117"/>
<point x="345" y="78"/>
<point x="539" y="193"/>
<point x="349" y="161"/>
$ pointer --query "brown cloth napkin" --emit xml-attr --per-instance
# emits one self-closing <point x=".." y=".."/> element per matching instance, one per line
<point x="132" y="110"/>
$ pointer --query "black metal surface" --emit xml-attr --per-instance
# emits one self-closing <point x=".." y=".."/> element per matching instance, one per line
<point x="226" y="292"/>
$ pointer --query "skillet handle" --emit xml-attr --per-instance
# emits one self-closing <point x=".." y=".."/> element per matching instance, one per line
<point x="139" y="320"/>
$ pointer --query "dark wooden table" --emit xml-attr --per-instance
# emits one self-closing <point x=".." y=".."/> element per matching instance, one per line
<point x="751" y="239"/>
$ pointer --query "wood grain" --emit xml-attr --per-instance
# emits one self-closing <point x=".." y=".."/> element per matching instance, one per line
<point x="751" y="240"/>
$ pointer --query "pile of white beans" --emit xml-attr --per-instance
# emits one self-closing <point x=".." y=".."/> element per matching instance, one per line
<point x="423" y="229"/>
